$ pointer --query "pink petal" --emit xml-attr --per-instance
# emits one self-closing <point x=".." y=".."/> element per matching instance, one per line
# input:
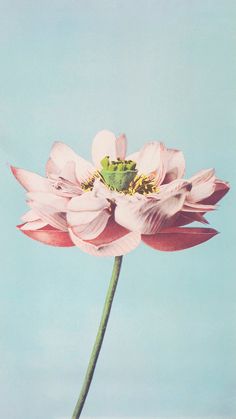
<point x="60" y="155"/>
<point x="113" y="241"/>
<point x="88" y="215"/>
<point x="104" y="144"/>
<point x="172" y="188"/>
<point x="178" y="238"/>
<point x="88" y="202"/>
<point x="121" y="147"/>
<point x="134" y="156"/>
<point x="94" y="228"/>
<point x="175" y="165"/>
<point x="31" y="181"/>
<point x="49" y="208"/>
<point x="221" y="189"/>
<point x="203" y="185"/>
<point x="184" y="218"/>
<point x="59" y="203"/>
<point x="203" y="176"/>
<point x="69" y="172"/>
<point x="151" y="159"/>
<point x="49" y="215"/>
<point x="197" y="207"/>
<point x="148" y="214"/>
<point x="33" y="225"/>
<point x="49" y="235"/>
<point x="30" y="216"/>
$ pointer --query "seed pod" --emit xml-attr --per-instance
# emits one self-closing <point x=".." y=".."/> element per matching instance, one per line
<point x="105" y="162"/>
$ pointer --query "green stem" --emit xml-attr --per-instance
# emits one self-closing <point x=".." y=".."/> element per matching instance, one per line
<point x="99" y="338"/>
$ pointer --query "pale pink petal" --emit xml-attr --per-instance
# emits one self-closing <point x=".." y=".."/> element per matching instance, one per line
<point x="151" y="160"/>
<point x="175" y="165"/>
<point x="31" y="181"/>
<point x="178" y="238"/>
<point x="203" y="176"/>
<point x="88" y="202"/>
<point x="147" y="215"/>
<point x="88" y="215"/>
<point x="172" y="188"/>
<point x="197" y="207"/>
<point x="134" y="156"/>
<point x="203" y="185"/>
<point x="101" y="190"/>
<point x="69" y="172"/>
<point x="221" y="189"/>
<point x="60" y="155"/>
<point x="59" y="203"/>
<point x="113" y="241"/>
<point x="50" y="208"/>
<point x="121" y="147"/>
<point x="202" y="191"/>
<point x="104" y="144"/>
<point x="94" y="228"/>
<point x="52" y="170"/>
<point x="34" y="225"/>
<point x="50" y="215"/>
<point x="48" y="235"/>
<point x="30" y="216"/>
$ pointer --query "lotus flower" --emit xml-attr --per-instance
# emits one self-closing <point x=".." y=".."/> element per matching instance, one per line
<point x="108" y="207"/>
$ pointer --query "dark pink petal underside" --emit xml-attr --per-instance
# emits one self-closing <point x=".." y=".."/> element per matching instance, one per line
<point x="49" y="235"/>
<point x="220" y="191"/>
<point x="178" y="238"/>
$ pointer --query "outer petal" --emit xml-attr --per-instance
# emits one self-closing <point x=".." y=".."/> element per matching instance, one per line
<point x="49" y="208"/>
<point x="202" y="176"/>
<point x="221" y="189"/>
<point x="61" y="155"/>
<point x="104" y="144"/>
<point x="184" y="218"/>
<point x="30" y="216"/>
<point x="113" y="241"/>
<point x="59" y="203"/>
<point x="175" y="165"/>
<point x="34" y="225"/>
<point x="147" y="215"/>
<point x="32" y="182"/>
<point x="203" y="185"/>
<point x="151" y="159"/>
<point x="197" y="207"/>
<point x="49" y="235"/>
<point x="178" y="238"/>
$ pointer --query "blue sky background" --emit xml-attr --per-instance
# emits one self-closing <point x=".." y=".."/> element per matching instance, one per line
<point x="154" y="70"/>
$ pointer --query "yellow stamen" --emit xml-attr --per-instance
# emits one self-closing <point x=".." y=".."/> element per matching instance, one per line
<point x="87" y="186"/>
<point x="141" y="184"/>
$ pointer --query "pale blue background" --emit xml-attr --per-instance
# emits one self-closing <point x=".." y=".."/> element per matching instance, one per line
<point x="155" y="70"/>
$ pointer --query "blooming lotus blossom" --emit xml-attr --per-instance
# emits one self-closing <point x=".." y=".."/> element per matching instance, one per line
<point x="109" y="206"/>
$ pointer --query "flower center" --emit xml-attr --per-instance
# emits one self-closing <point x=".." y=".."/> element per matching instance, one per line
<point x="118" y="174"/>
<point x="122" y="176"/>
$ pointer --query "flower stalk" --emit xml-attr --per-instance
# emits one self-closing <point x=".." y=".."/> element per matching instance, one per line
<point x="99" y="338"/>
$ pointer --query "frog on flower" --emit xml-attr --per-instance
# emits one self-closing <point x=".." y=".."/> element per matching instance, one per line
<point x="108" y="207"/>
